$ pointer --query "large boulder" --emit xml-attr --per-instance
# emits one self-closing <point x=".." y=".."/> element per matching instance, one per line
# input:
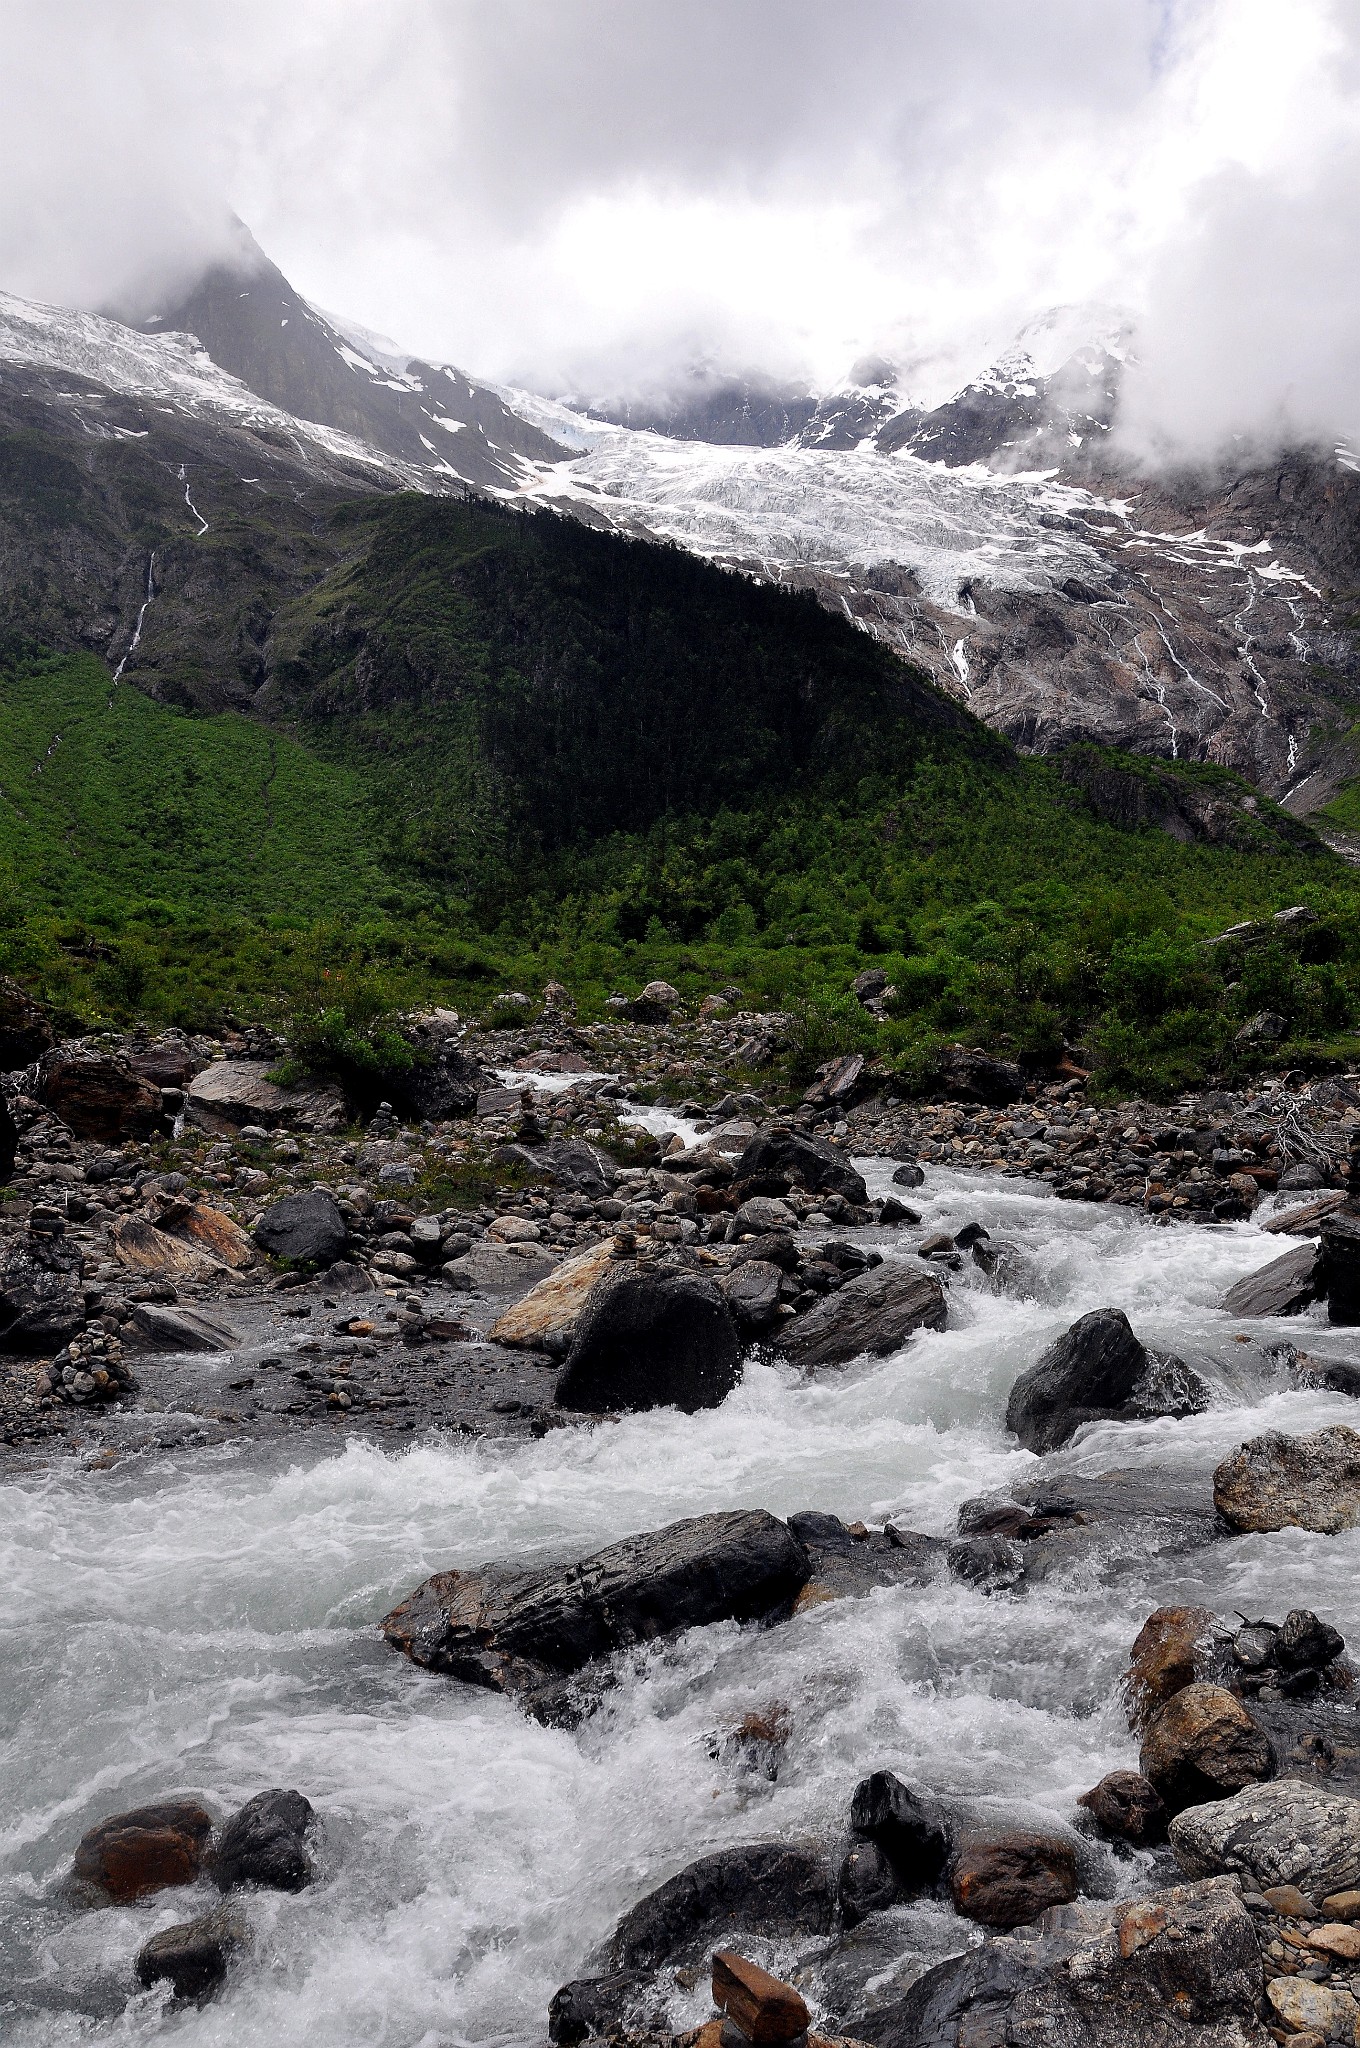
<point x="306" y="1227"/>
<point x="267" y="1843"/>
<point x="1285" y="1832"/>
<point x="871" y="1315"/>
<point x="810" y="1163"/>
<point x="41" y="1303"/>
<point x="444" y="1082"/>
<point x="231" y="1093"/>
<point x="751" y="1291"/>
<point x="1285" y="1287"/>
<point x="193" y="1957"/>
<point x="1203" y="1744"/>
<point x="97" y="1095"/>
<point x="130" y="1855"/>
<point x="518" y="1629"/>
<point x="765" y="1888"/>
<point x="141" y="1245"/>
<point x="971" y="1077"/>
<point x="1276" y="1481"/>
<point x="1009" y="1879"/>
<point x="25" y="1030"/>
<point x="1097" y="1371"/>
<point x="1179" y="1969"/>
<point x="1338" y="1269"/>
<point x="651" y="1340"/>
<point x="546" y="1318"/>
<point x="1175" y="1647"/>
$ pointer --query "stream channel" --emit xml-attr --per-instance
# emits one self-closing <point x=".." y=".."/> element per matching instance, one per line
<point x="207" y="1624"/>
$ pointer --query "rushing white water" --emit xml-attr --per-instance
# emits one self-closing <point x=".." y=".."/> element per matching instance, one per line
<point x="208" y="1625"/>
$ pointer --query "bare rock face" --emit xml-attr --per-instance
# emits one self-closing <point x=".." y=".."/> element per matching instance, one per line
<point x="130" y="1855"/>
<point x="1180" y="1969"/>
<point x="1292" y="1482"/>
<point x="97" y="1095"/>
<point x="1097" y="1371"/>
<point x="138" y="1243"/>
<point x="1009" y="1879"/>
<point x="1203" y="1744"/>
<point x="872" y="1315"/>
<point x="1285" y="1287"/>
<point x="651" y="1340"/>
<point x="1175" y="1647"/>
<point x="1285" y="1832"/>
<point x="1126" y="1808"/>
<point x="520" y="1630"/>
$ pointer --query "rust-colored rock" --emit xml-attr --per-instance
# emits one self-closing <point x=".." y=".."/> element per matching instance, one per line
<point x="1174" y="1648"/>
<point x="548" y="1314"/>
<point x="144" y="1850"/>
<point x="767" y="2010"/>
<point x="98" y="1096"/>
<point x="211" y="1230"/>
<point x="1204" y="1745"/>
<point x="1010" y="1879"/>
<point x="138" y="1244"/>
<point x="1127" y="1808"/>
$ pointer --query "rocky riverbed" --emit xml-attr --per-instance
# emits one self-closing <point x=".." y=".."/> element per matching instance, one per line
<point x="904" y="1521"/>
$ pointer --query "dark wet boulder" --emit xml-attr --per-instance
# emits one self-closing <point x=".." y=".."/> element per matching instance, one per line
<point x="651" y="1340"/>
<point x="305" y="1227"/>
<point x="97" y="1095"/>
<point x="592" y="2007"/>
<point x="768" y="1888"/>
<point x="809" y="1163"/>
<point x="1338" y="1268"/>
<point x="751" y="1291"/>
<point x="442" y="1082"/>
<point x="873" y="1314"/>
<point x="865" y="1883"/>
<point x="131" y="1855"/>
<point x="1127" y="1808"/>
<point x="911" y="1834"/>
<point x="972" y="1077"/>
<point x="42" y="1306"/>
<point x="909" y="1175"/>
<point x="1204" y="1744"/>
<point x="517" y="1629"/>
<point x="1097" y="1371"/>
<point x="1285" y="1287"/>
<point x="192" y="1957"/>
<point x="25" y="1029"/>
<point x="267" y="1843"/>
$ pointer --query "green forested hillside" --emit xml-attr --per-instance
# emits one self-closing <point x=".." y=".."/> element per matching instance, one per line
<point x="494" y="748"/>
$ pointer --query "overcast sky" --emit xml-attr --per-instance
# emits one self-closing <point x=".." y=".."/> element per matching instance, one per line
<point x="591" y="191"/>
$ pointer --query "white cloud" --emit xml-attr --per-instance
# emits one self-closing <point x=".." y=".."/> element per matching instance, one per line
<point x="598" y="188"/>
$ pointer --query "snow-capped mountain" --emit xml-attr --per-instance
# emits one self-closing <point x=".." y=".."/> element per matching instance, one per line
<point x="255" y="326"/>
<point x="978" y="526"/>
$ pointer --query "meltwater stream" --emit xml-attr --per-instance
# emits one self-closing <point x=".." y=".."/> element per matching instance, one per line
<point x="209" y="1626"/>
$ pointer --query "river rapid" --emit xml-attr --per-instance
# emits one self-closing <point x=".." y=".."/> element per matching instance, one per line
<point x="207" y="1624"/>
